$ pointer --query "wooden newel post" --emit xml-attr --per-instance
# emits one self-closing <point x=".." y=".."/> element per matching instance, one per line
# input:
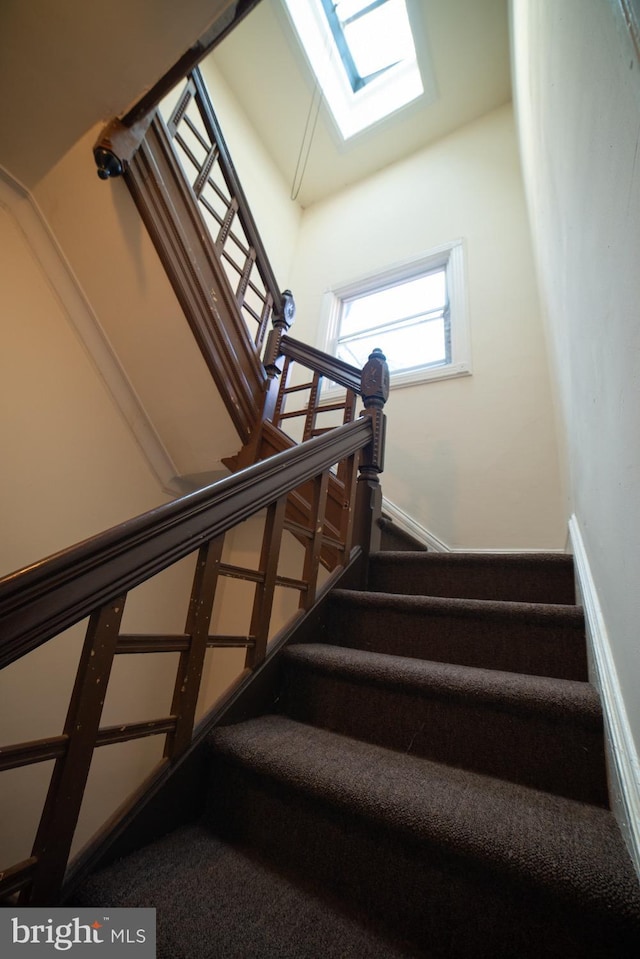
<point x="281" y="322"/>
<point x="374" y="386"/>
<point x="375" y="392"/>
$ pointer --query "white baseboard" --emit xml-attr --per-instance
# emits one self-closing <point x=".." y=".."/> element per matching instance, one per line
<point x="408" y="525"/>
<point x="624" y="765"/>
<point x="17" y="200"/>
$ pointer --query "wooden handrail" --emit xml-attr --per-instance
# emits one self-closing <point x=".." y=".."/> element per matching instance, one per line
<point x="122" y="136"/>
<point x="326" y="365"/>
<point x="48" y="597"/>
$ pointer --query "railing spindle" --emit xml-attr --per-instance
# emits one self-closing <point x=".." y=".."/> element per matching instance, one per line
<point x="66" y="789"/>
<point x="189" y="674"/>
<point x="313" y="548"/>
<point x="263" y="602"/>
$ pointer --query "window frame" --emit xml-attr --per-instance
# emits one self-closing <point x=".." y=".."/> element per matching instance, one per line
<point x="356" y="80"/>
<point x="451" y="257"/>
<point x="386" y="94"/>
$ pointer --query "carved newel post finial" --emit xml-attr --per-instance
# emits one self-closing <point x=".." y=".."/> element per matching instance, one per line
<point x="281" y="322"/>
<point x="374" y="386"/>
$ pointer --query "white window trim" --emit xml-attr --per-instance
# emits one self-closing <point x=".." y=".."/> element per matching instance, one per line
<point x="451" y="255"/>
<point x="352" y="113"/>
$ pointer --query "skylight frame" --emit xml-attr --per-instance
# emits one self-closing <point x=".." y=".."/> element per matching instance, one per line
<point x="380" y="97"/>
<point x="356" y="79"/>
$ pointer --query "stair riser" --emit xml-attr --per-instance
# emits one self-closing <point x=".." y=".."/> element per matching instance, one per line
<point x="444" y="904"/>
<point x="509" y="645"/>
<point x="530" y="749"/>
<point x="508" y="583"/>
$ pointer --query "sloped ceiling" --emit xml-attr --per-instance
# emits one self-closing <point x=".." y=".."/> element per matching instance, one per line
<point x="467" y="41"/>
<point x="66" y="65"/>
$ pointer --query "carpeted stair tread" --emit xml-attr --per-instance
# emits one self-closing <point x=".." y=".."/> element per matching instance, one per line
<point x="516" y="577"/>
<point x="554" y="698"/>
<point x="568" y="850"/>
<point x="544" y="639"/>
<point x="214" y="901"/>
<point x="527" y="729"/>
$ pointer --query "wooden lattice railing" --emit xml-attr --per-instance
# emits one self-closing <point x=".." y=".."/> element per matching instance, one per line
<point x="205" y="159"/>
<point x="94" y="578"/>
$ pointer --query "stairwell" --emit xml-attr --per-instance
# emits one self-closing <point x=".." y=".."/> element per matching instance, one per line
<point x="430" y="781"/>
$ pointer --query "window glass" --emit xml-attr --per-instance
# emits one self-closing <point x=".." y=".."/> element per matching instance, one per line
<point x="414" y="312"/>
<point x="378" y="34"/>
<point x="364" y="58"/>
<point x="420" y="295"/>
<point x="407" y="321"/>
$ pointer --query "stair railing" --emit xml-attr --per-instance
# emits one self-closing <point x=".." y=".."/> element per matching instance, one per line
<point x="297" y="398"/>
<point x="93" y="579"/>
<point x="201" y="146"/>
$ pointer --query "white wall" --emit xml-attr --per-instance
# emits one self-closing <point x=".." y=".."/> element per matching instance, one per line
<point x="113" y="258"/>
<point x="473" y="459"/>
<point x="72" y="467"/>
<point x="277" y="217"/>
<point x="578" y="94"/>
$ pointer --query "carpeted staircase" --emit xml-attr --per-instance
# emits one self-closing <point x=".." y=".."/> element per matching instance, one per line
<point x="430" y="782"/>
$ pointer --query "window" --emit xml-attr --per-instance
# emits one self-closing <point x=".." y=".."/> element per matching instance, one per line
<point x="415" y="313"/>
<point x="363" y="55"/>
<point x="372" y="36"/>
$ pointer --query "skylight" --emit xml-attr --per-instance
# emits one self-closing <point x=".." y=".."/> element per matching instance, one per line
<point x="362" y="54"/>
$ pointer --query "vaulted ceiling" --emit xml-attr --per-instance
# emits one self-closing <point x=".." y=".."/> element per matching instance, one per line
<point x="64" y="68"/>
<point x="467" y="42"/>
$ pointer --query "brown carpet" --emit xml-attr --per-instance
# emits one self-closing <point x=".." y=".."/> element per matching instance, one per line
<point x="432" y="776"/>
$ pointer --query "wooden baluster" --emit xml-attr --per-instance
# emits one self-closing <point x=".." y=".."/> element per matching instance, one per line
<point x="263" y="601"/>
<point x="203" y="177"/>
<point x="223" y="233"/>
<point x="189" y="674"/>
<point x="349" y="468"/>
<point x="375" y="392"/>
<point x="280" y="397"/>
<point x="281" y="321"/>
<point x="181" y="108"/>
<point x="313" y="548"/>
<point x="66" y="789"/>
<point x="343" y="473"/>
<point x="264" y="319"/>
<point x="349" y="407"/>
<point x="312" y="407"/>
<point x="246" y="273"/>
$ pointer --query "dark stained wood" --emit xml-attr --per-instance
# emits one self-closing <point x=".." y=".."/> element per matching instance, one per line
<point x="330" y="367"/>
<point x="263" y="601"/>
<point x="125" y="732"/>
<point x="143" y="643"/>
<point x="173" y="794"/>
<point x="375" y="392"/>
<point x="16" y="877"/>
<point x="313" y="551"/>
<point x="50" y="596"/>
<point x="176" y="226"/>
<point x="66" y="789"/>
<point x="189" y="673"/>
<point x="312" y="407"/>
<point x="37" y="751"/>
<point x="349" y="476"/>
<point x="230" y="642"/>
